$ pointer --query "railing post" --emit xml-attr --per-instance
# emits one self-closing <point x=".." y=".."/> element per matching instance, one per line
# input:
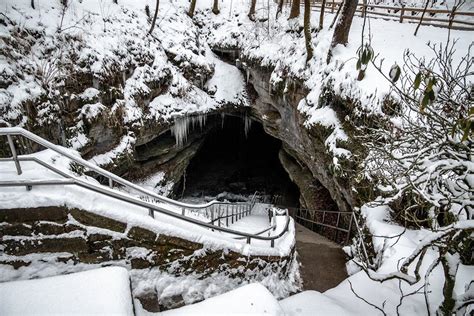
<point x="274" y="220"/>
<point x="151" y="213"/>
<point x="227" y="215"/>
<point x="349" y="229"/>
<point x="212" y="216"/>
<point x="183" y="211"/>
<point x="232" y="218"/>
<point x="337" y="225"/>
<point x="111" y="183"/>
<point x="219" y="216"/>
<point x="402" y="13"/>
<point x="14" y="156"/>
<point x="272" y="243"/>
<point x="248" y="240"/>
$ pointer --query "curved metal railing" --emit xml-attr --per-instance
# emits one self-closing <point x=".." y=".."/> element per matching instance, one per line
<point x="18" y="131"/>
<point x="237" y="209"/>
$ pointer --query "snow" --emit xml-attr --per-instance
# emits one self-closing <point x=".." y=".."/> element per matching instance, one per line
<point x="275" y="44"/>
<point x="123" y="148"/>
<point x="227" y="82"/>
<point x="192" y="287"/>
<point x="104" y="291"/>
<point x="111" y="39"/>
<point x="312" y="303"/>
<point x="251" y="299"/>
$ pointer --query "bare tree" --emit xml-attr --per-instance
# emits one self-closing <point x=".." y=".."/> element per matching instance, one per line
<point x="280" y="7"/>
<point x="422" y="16"/>
<point x="343" y="26"/>
<point x="251" y="14"/>
<point x="154" y="17"/>
<point x="307" y="30"/>
<point x="295" y="9"/>
<point x="321" y="15"/>
<point x="421" y="164"/>
<point x="192" y="7"/>
<point x="215" y="7"/>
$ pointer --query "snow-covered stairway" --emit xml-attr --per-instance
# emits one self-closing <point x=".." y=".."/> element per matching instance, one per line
<point x="217" y="211"/>
<point x="54" y="220"/>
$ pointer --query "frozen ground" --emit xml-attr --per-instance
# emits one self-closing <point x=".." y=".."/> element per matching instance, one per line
<point x="104" y="291"/>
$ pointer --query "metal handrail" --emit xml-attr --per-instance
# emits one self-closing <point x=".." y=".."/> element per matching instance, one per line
<point x="127" y="198"/>
<point x="71" y="180"/>
<point x="321" y="223"/>
<point x="18" y="131"/>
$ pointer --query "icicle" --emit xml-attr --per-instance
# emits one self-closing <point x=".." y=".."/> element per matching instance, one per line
<point x="181" y="128"/>
<point x="247" y="124"/>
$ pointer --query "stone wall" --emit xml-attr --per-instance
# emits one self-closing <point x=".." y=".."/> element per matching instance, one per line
<point x="74" y="236"/>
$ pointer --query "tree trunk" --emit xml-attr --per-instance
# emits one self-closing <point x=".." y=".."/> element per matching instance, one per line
<point x="295" y="9"/>
<point x="449" y="269"/>
<point x="251" y="14"/>
<point x="215" y="7"/>
<point x="192" y="7"/>
<point x="422" y="16"/>
<point x="307" y="29"/>
<point x="33" y="4"/>
<point x="280" y="7"/>
<point x="343" y="26"/>
<point x="154" y="17"/>
<point x="321" y="15"/>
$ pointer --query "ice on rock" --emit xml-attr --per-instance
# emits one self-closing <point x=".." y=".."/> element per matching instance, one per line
<point x="182" y="124"/>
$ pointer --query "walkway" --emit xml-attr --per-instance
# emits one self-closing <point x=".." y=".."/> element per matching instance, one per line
<point x="322" y="260"/>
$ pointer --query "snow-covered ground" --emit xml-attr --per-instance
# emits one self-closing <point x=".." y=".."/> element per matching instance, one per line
<point x="192" y="287"/>
<point x="101" y="32"/>
<point x="104" y="291"/>
<point x="251" y="299"/>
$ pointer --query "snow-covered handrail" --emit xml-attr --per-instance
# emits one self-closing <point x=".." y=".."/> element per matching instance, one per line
<point x="238" y="209"/>
<point x="71" y="180"/>
<point x="18" y="131"/>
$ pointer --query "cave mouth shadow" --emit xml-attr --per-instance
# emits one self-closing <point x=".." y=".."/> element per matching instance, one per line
<point x="233" y="161"/>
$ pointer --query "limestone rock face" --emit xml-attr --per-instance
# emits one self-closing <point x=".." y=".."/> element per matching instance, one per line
<point x="305" y="156"/>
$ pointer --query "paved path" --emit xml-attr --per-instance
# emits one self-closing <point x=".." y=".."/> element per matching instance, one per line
<point x="322" y="261"/>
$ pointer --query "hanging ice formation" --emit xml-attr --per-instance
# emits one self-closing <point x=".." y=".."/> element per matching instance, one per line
<point x="247" y="124"/>
<point x="183" y="125"/>
<point x="222" y="119"/>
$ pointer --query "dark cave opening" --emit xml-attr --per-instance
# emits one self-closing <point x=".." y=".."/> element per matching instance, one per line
<point x="231" y="161"/>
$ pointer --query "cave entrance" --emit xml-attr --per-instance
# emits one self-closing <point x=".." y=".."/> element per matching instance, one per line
<point x="231" y="160"/>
